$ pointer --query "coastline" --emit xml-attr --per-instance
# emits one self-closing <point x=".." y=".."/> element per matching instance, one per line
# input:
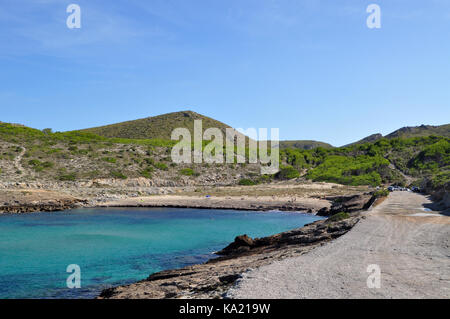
<point x="232" y="273"/>
<point x="321" y="198"/>
<point x="215" y="277"/>
<point x="318" y="261"/>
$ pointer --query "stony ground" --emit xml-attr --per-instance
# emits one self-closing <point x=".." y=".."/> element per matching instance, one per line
<point x="410" y="245"/>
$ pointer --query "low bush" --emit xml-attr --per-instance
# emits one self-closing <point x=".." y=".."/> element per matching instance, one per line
<point x="161" y="166"/>
<point x="147" y="173"/>
<point x="187" y="171"/>
<point x="287" y="172"/>
<point x="247" y="182"/>
<point x="39" y="166"/>
<point x="111" y="160"/>
<point x="67" y="177"/>
<point x="118" y="175"/>
<point x="381" y="193"/>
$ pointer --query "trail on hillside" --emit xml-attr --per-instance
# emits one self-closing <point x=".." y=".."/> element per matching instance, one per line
<point x="410" y="245"/>
<point x="18" y="159"/>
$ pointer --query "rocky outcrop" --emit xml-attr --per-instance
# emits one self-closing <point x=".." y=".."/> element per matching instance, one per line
<point x="27" y="201"/>
<point x="352" y="203"/>
<point x="40" y="207"/>
<point x="309" y="234"/>
<point x="241" y="244"/>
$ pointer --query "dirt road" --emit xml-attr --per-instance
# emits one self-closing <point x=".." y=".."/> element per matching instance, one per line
<point x="410" y="245"/>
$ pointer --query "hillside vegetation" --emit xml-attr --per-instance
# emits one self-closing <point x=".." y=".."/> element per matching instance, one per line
<point x="420" y="131"/>
<point x="303" y="144"/>
<point x="423" y="158"/>
<point x="408" y="132"/>
<point x="156" y="127"/>
<point x="28" y="154"/>
<point x="84" y="156"/>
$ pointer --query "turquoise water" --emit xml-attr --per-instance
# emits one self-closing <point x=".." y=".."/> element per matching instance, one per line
<point x="117" y="246"/>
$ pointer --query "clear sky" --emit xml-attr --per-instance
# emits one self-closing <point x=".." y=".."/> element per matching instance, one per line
<point x="309" y="67"/>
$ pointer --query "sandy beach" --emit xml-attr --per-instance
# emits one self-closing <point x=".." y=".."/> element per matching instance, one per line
<point x="291" y="203"/>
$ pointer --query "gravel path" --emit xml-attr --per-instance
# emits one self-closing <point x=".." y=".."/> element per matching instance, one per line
<point x="411" y="247"/>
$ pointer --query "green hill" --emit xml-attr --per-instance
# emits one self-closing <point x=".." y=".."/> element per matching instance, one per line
<point x="420" y="131"/>
<point x="142" y="148"/>
<point x="369" y="139"/>
<point x="408" y="132"/>
<point x="303" y="144"/>
<point x="422" y="158"/>
<point x="156" y="127"/>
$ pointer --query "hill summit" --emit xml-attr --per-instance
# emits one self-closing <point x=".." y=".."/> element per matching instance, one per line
<point x="156" y="127"/>
<point x="161" y="127"/>
<point x="409" y="131"/>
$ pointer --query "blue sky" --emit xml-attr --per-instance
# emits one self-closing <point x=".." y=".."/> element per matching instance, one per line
<point x="309" y="67"/>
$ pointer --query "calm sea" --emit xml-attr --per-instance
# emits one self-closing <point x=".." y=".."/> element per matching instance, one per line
<point x="116" y="246"/>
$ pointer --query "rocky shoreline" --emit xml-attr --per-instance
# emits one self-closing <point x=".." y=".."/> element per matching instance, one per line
<point x="326" y="199"/>
<point x="29" y="201"/>
<point x="213" y="278"/>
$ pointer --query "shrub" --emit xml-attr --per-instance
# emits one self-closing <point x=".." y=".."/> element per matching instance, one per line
<point x="39" y="166"/>
<point x="67" y="177"/>
<point x="287" y="172"/>
<point x="147" y="173"/>
<point x="440" y="180"/>
<point x="264" y="178"/>
<point x="47" y="165"/>
<point x="247" y="182"/>
<point x="432" y="157"/>
<point x="161" y="166"/>
<point x="381" y="193"/>
<point x="118" y="175"/>
<point x="111" y="160"/>
<point x="187" y="171"/>
<point x="34" y="162"/>
<point x="347" y="170"/>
